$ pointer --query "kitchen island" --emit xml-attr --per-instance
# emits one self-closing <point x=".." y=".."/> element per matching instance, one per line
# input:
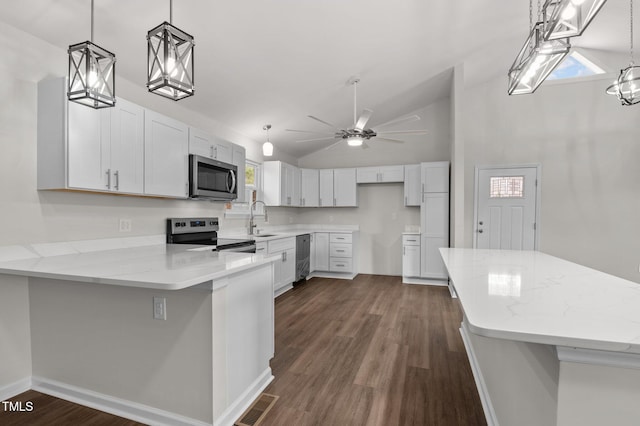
<point x="94" y="339"/>
<point x="550" y="342"/>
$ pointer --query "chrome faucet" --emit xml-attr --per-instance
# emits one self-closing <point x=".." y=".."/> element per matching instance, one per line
<point x="251" y="209"/>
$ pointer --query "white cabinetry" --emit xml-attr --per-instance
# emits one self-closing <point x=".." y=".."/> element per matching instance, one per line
<point x="380" y="174"/>
<point x="344" y="188"/>
<point x="335" y="254"/>
<point x="326" y="188"/>
<point x="321" y="251"/>
<point x="411" y="256"/>
<point x="239" y="158"/>
<point x="206" y="145"/>
<point x="281" y="184"/>
<point x="285" y="269"/>
<point x="434" y="219"/>
<point x="412" y="185"/>
<point x="87" y="149"/>
<point x="166" y="148"/>
<point x="309" y="188"/>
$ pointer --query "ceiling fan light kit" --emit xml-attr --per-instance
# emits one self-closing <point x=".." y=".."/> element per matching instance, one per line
<point x="170" y="60"/>
<point x="91" y="79"/>
<point x="548" y="41"/>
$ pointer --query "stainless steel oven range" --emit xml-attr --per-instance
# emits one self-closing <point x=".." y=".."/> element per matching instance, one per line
<point x="204" y="231"/>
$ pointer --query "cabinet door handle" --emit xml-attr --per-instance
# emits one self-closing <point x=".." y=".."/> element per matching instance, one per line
<point x="284" y="256"/>
<point x="213" y="155"/>
<point x="116" y="175"/>
<point x="260" y="249"/>
<point x="186" y="189"/>
<point x="412" y="240"/>
<point x="215" y="152"/>
<point x="423" y="187"/>
<point x="405" y="201"/>
<point x="404" y="251"/>
<point x="334" y="201"/>
<point x="320" y="202"/>
<point x="108" y="172"/>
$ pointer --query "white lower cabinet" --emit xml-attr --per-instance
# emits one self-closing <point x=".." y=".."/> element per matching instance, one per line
<point x="411" y="256"/>
<point x="334" y="254"/>
<point x="285" y="269"/>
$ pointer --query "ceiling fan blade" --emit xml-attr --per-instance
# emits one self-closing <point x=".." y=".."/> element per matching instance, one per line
<point x="323" y="122"/>
<point x="404" y="132"/>
<point x="389" y="140"/>
<point x="398" y="121"/>
<point x="364" y="117"/>
<point x="307" y="131"/>
<point x="316" y="139"/>
<point x="333" y="144"/>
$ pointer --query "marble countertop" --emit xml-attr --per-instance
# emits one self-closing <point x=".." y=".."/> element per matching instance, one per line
<point x="158" y="266"/>
<point x="534" y="297"/>
<point x="276" y="233"/>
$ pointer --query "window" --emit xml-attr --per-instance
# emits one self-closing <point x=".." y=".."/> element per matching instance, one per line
<point x="253" y="189"/>
<point x="506" y="187"/>
<point x="575" y="65"/>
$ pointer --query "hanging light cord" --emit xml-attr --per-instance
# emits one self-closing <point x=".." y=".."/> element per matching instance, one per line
<point x="631" y="32"/>
<point x="91" y="21"/>
<point x="170" y="11"/>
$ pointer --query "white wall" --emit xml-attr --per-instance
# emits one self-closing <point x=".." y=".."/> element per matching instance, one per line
<point x="588" y="147"/>
<point x="381" y="213"/>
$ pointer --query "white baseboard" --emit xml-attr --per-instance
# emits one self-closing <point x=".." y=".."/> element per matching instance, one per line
<point x="240" y="405"/>
<point x="423" y="281"/>
<point x="109" y="404"/>
<point x="16" y="388"/>
<point x="282" y="290"/>
<point x="487" y="406"/>
<point x="338" y="275"/>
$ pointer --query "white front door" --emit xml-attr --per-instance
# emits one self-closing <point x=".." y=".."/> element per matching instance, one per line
<point x="506" y="208"/>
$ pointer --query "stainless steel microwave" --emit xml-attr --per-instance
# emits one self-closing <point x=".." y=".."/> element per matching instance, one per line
<point x="212" y="180"/>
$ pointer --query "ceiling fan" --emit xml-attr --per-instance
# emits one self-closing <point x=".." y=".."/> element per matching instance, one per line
<point x="359" y="133"/>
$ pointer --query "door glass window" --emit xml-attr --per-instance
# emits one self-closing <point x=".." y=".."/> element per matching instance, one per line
<point x="506" y="187"/>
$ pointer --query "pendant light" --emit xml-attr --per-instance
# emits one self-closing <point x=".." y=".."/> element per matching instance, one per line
<point x="91" y="79"/>
<point x="267" y="147"/>
<point x="627" y="86"/>
<point x="537" y="58"/>
<point x="569" y="18"/>
<point x="170" y="60"/>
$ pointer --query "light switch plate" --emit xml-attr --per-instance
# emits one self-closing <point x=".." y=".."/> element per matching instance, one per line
<point x="160" y="308"/>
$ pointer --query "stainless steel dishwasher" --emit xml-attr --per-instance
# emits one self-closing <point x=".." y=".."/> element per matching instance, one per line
<point x="303" y="252"/>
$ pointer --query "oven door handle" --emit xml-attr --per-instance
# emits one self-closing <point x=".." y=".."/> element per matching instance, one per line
<point x="233" y="182"/>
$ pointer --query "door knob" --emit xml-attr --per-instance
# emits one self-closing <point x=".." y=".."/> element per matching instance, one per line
<point x="480" y="223"/>
<point x="480" y="231"/>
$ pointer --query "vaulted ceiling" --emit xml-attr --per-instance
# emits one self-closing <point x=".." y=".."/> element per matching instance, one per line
<point x="277" y="61"/>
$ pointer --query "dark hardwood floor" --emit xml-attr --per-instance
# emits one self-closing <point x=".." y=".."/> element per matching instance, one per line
<point x="371" y="351"/>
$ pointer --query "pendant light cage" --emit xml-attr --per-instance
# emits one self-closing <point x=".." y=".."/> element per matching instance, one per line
<point x="170" y="61"/>
<point x="536" y="60"/>
<point x="91" y="78"/>
<point x="627" y="86"/>
<point x="568" y="18"/>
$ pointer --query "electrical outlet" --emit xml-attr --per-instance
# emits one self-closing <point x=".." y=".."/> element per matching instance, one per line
<point x="160" y="308"/>
<point x="125" y="225"/>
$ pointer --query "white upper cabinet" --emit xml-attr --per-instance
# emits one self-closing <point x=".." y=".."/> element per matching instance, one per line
<point x="412" y="188"/>
<point x="380" y="174"/>
<point x="127" y="147"/>
<point x="166" y="148"/>
<point x="206" y="145"/>
<point x="345" y="188"/>
<point x="435" y="176"/>
<point x="326" y="187"/>
<point x="88" y="149"/>
<point x="309" y="188"/>
<point x="239" y="159"/>
<point x="281" y="184"/>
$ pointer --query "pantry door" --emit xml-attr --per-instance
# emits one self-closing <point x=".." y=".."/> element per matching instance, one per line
<point x="506" y="207"/>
